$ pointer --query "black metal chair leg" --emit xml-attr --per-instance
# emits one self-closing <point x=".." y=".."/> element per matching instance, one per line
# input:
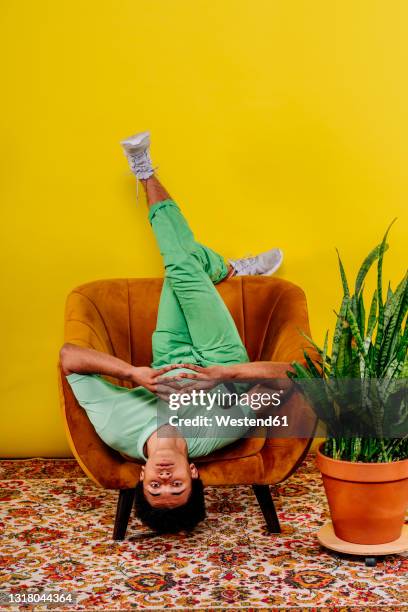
<point x="265" y="501"/>
<point x="123" y="510"/>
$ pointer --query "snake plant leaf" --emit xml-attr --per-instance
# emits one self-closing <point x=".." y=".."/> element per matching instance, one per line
<point x="372" y="317"/>
<point x="300" y="371"/>
<point x="312" y="367"/>
<point x="404" y="371"/>
<point x="314" y="345"/>
<point x="405" y="332"/>
<point x="338" y="333"/>
<point x="376" y="408"/>
<point x="343" y="276"/>
<point x="361" y="315"/>
<point x="380" y="326"/>
<point x="324" y="354"/>
<point x="355" y="331"/>
<point x="394" y="313"/>
<point x="356" y="449"/>
<point x="390" y="292"/>
<point x="366" y="265"/>
<point x="393" y="350"/>
<point x="395" y="399"/>
<point x="395" y="301"/>
<point x="403" y="348"/>
<point x="344" y="357"/>
<point x="394" y="368"/>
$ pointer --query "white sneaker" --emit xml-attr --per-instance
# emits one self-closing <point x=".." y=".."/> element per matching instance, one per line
<point x="137" y="151"/>
<point x="263" y="264"/>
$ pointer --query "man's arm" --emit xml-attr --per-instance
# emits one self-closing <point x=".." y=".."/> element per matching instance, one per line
<point x="89" y="361"/>
<point x="258" y="369"/>
<point x="81" y="360"/>
<point x="273" y="373"/>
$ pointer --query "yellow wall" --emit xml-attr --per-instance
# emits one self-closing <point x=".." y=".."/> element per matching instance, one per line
<point x="274" y="122"/>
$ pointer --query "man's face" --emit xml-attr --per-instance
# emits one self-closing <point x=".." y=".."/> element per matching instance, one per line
<point x="167" y="479"/>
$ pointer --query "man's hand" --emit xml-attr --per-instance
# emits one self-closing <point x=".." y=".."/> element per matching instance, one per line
<point x="201" y="378"/>
<point x="149" y="378"/>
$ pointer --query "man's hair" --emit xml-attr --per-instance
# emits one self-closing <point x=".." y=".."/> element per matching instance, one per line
<point x="172" y="520"/>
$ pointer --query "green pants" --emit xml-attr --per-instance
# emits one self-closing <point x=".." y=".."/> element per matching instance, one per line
<point x="193" y="323"/>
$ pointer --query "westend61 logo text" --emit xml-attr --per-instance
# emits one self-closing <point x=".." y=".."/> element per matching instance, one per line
<point x="209" y="400"/>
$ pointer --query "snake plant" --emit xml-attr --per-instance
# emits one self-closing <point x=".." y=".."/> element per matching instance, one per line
<point x="369" y="347"/>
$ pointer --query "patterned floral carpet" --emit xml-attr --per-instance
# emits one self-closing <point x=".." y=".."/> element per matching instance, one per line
<point x="55" y="533"/>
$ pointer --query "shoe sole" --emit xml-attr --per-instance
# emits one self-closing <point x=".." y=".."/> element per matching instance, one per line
<point x="276" y="266"/>
<point x="136" y="142"/>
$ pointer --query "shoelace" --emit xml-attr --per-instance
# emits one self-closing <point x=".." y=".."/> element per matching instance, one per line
<point x="242" y="264"/>
<point x="140" y="162"/>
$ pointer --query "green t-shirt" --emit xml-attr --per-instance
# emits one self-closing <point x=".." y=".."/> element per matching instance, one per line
<point x="125" y="418"/>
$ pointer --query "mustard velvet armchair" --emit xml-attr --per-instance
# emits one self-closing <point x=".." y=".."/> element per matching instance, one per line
<point x="118" y="316"/>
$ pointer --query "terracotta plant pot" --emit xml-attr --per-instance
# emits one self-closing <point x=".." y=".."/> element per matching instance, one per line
<point x="367" y="501"/>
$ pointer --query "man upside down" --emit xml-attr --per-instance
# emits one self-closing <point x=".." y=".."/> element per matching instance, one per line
<point x="195" y="339"/>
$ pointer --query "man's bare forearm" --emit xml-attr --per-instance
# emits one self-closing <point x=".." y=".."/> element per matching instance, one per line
<point x="259" y="370"/>
<point x="83" y="360"/>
